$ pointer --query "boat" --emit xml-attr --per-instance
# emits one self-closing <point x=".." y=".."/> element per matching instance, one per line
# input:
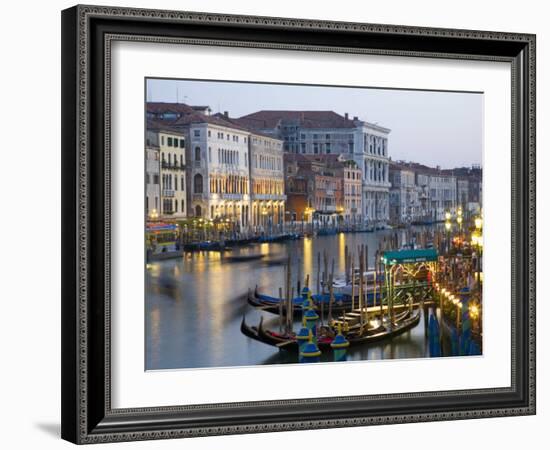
<point x="243" y="258"/>
<point x="288" y="342"/>
<point x="342" y="302"/>
<point x="326" y="232"/>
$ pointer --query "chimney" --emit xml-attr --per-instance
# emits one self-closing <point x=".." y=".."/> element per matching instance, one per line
<point x="346" y="116"/>
<point x="356" y="118"/>
<point x="226" y="114"/>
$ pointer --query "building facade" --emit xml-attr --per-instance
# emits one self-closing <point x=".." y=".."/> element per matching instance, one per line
<point x="326" y="133"/>
<point x="405" y="196"/>
<point x="165" y="171"/>
<point x="173" y="185"/>
<point x="152" y="181"/>
<point x="373" y="157"/>
<point x="219" y="171"/>
<point x="267" y="181"/>
<point x="314" y="189"/>
<point x="353" y="192"/>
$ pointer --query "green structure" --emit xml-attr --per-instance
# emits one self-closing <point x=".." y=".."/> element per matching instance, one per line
<point x="409" y="276"/>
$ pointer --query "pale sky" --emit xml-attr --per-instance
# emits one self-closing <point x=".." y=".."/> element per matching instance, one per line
<point x="432" y="128"/>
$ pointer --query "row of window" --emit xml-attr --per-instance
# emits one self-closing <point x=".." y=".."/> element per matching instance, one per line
<point x="170" y="182"/>
<point x="320" y="148"/>
<point x="229" y="184"/>
<point x="170" y="206"/>
<point x="326" y="184"/>
<point x="267" y="187"/>
<point x="154" y="178"/>
<point x="221" y="136"/>
<point x="173" y="142"/>
<point x="230" y="157"/>
<point x="268" y="143"/>
<point x="376" y="171"/>
<point x="446" y="194"/>
<point x="173" y="158"/>
<point x="268" y="162"/>
<point x="375" y="145"/>
<point x="352" y="189"/>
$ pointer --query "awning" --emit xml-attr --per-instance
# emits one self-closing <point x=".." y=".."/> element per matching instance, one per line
<point x="409" y="256"/>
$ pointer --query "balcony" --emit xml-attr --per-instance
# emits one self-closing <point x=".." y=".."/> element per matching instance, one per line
<point x="273" y="196"/>
<point x="172" y="166"/>
<point x="168" y="193"/>
<point x="227" y="196"/>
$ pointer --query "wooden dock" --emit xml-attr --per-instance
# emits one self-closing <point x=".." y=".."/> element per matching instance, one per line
<point x="353" y="317"/>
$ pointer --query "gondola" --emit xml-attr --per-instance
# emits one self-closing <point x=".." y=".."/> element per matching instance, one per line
<point x="243" y="258"/>
<point x="404" y="322"/>
<point x="342" y="302"/>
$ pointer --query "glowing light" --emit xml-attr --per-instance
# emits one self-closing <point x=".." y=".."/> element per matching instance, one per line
<point x="478" y="222"/>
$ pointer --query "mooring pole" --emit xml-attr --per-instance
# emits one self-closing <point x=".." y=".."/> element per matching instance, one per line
<point x="281" y="310"/>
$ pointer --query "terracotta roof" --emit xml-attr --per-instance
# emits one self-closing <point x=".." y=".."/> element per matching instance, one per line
<point x="415" y="167"/>
<point x="187" y="118"/>
<point x="243" y="125"/>
<point x="163" y="125"/>
<point x="161" y="107"/>
<point x="306" y="119"/>
<point x="202" y="118"/>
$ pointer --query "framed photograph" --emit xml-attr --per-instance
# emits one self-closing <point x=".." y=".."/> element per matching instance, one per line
<point x="280" y="224"/>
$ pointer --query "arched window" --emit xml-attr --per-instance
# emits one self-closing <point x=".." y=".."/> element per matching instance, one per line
<point x="198" y="211"/>
<point x="197" y="153"/>
<point x="197" y="184"/>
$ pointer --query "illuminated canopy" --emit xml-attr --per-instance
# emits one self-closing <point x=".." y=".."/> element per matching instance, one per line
<point x="409" y="256"/>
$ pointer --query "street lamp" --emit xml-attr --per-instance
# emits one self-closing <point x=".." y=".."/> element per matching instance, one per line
<point x="478" y="222"/>
<point x="448" y="232"/>
<point x="154" y="215"/>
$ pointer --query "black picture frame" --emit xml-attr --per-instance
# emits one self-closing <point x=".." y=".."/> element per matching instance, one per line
<point x="87" y="32"/>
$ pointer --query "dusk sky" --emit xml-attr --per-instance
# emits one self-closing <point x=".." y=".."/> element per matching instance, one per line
<point x="433" y="128"/>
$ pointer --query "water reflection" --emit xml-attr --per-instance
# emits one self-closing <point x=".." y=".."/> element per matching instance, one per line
<point x="194" y="304"/>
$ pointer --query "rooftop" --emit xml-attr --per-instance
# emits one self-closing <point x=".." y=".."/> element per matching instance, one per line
<point x="306" y="119"/>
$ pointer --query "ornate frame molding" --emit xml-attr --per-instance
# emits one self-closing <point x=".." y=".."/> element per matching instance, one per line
<point x="80" y="417"/>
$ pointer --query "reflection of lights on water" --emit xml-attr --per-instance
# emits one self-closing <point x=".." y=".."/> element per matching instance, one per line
<point x="155" y="331"/>
<point x="209" y="305"/>
<point x="342" y="250"/>
<point x="264" y="248"/>
<point x="308" y="257"/>
<point x="214" y="256"/>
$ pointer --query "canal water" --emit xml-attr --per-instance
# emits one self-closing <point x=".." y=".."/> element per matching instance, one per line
<point x="194" y="304"/>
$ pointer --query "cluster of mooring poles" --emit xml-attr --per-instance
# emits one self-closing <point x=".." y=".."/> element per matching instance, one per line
<point x="412" y="271"/>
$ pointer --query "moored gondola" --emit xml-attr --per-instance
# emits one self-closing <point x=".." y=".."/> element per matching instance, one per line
<point x="342" y="302"/>
<point x="288" y="342"/>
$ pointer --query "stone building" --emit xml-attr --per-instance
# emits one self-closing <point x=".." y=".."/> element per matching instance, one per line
<point x="267" y="185"/>
<point x="152" y="181"/>
<point x="267" y="181"/>
<point x="436" y="191"/>
<point x="314" y="189"/>
<point x="352" y="191"/>
<point x="168" y="145"/>
<point x="326" y="132"/>
<point x="405" y="196"/>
